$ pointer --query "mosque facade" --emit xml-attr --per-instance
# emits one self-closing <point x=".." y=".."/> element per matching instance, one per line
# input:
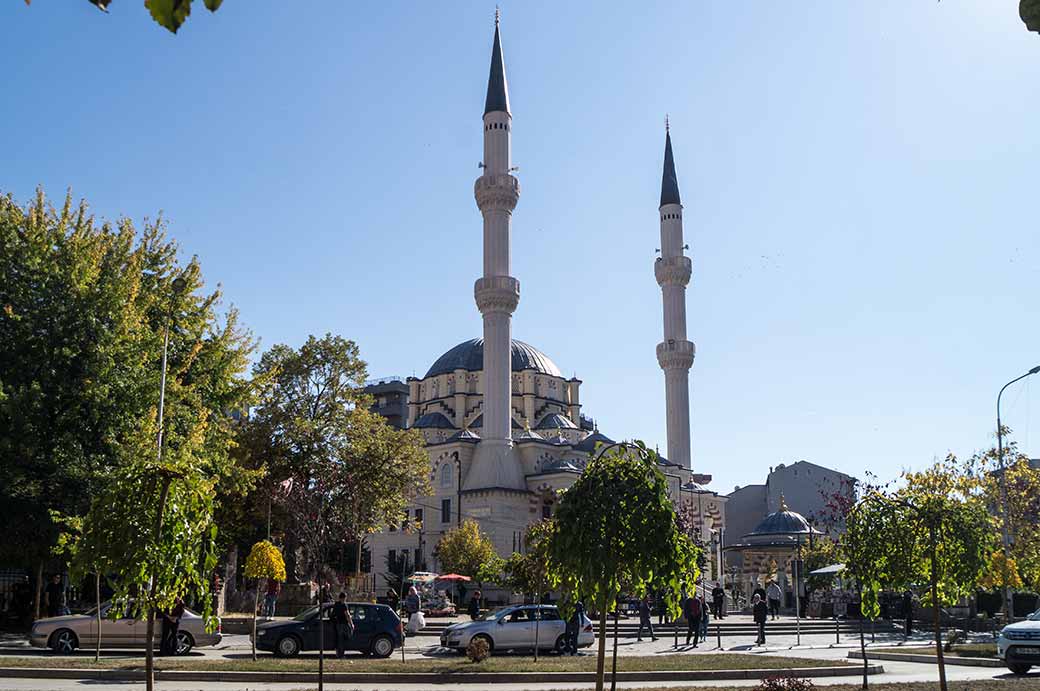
<point x="504" y="429"/>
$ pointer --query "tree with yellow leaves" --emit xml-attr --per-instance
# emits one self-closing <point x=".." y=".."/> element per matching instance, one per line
<point x="264" y="562"/>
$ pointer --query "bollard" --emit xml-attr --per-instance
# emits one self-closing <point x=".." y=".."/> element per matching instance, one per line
<point x="718" y="634"/>
<point x="837" y="631"/>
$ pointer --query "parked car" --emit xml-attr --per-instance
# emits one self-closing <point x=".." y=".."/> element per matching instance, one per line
<point x="377" y="631"/>
<point x="64" y="634"/>
<point x="1019" y="644"/>
<point x="513" y="628"/>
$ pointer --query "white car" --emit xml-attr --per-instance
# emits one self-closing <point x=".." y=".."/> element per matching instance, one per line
<point x="64" y="634"/>
<point x="1019" y="644"/>
<point x="513" y="628"/>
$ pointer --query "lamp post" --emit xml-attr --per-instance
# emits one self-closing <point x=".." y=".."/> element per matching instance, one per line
<point x="1005" y="537"/>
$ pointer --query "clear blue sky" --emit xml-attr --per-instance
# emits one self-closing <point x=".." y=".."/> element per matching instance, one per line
<point x="859" y="178"/>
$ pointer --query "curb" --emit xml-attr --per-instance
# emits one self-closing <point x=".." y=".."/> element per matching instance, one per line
<point x="429" y="677"/>
<point x="928" y="659"/>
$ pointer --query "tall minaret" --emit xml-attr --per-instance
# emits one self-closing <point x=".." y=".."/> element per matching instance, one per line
<point x="497" y="293"/>
<point x="675" y="353"/>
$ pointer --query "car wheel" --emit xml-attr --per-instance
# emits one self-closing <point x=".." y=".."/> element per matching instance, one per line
<point x="288" y="646"/>
<point x="382" y="646"/>
<point x="64" y="642"/>
<point x="561" y="644"/>
<point x="1019" y="668"/>
<point x="184" y="642"/>
<point x="486" y="638"/>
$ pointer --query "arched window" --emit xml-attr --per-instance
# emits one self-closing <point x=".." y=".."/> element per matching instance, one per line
<point x="447" y="472"/>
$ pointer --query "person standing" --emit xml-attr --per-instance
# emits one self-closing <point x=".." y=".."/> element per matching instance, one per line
<point x="908" y="612"/>
<point x="171" y="623"/>
<point x="271" y="597"/>
<point x="393" y="599"/>
<point x="474" y="606"/>
<point x="704" y="617"/>
<point x="774" y="594"/>
<point x="645" y="619"/>
<point x="574" y="627"/>
<point x="718" y="601"/>
<point x="760" y="614"/>
<point x="760" y="591"/>
<point x="342" y="624"/>
<point x="692" y="612"/>
<point x="54" y="597"/>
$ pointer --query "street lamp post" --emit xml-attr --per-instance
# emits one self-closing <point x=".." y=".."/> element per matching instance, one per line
<point x="1005" y="536"/>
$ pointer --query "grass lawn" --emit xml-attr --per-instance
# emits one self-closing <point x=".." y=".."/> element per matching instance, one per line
<point x="959" y="650"/>
<point x="584" y="663"/>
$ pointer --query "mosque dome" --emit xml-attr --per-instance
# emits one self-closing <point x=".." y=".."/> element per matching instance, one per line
<point x="469" y="355"/>
<point x="783" y="522"/>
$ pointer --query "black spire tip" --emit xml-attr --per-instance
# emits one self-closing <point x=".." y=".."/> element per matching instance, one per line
<point x="497" y="92"/>
<point x="669" y="182"/>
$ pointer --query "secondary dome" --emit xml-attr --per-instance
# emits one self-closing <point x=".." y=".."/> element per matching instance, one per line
<point x="469" y="355"/>
<point x="783" y="522"/>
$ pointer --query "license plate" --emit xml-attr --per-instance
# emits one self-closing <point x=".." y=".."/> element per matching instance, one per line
<point x="1028" y="651"/>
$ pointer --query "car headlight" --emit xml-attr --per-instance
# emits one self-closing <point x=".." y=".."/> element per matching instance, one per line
<point x="261" y="632"/>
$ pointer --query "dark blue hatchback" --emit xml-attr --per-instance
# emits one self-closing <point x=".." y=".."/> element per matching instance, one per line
<point x="377" y="631"/>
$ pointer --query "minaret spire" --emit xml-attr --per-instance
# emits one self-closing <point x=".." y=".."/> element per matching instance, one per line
<point x="673" y="270"/>
<point x="496" y="292"/>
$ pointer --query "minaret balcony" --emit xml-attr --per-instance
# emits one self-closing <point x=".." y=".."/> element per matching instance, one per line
<point x="496" y="192"/>
<point x="671" y="271"/>
<point x="676" y="354"/>
<point x="497" y="294"/>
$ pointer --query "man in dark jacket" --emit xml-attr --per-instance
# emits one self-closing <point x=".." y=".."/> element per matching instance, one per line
<point x="474" y="606"/>
<point x="171" y="623"/>
<point x="760" y="611"/>
<point x="692" y="612"/>
<point x="574" y="627"/>
<point x="718" y="601"/>
<point x="645" y="619"/>
<point x="342" y="624"/>
<point x="908" y="612"/>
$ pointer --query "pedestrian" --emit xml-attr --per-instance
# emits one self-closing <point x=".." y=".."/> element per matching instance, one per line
<point x="342" y="624"/>
<point x="760" y="591"/>
<point x="662" y="609"/>
<point x="171" y="622"/>
<point x="574" y="627"/>
<point x="704" y="617"/>
<point x="271" y="598"/>
<point x="692" y="612"/>
<point x="412" y="602"/>
<point x="774" y="594"/>
<point x="325" y="593"/>
<point x="474" y="606"/>
<point x="718" y="601"/>
<point x="54" y="597"/>
<point x="760" y="613"/>
<point x="392" y="599"/>
<point x="645" y="619"/>
<point x="908" y="612"/>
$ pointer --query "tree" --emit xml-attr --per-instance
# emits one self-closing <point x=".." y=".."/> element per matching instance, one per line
<point x="168" y="13"/>
<point x="264" y="562"/>
<point x="328" y="456"/>
<point x="528" y="573"/>
<point x="933" y="530"/>
<point x="83" y="307"/>
<point x="1029" y="11"/>
<point x="616" y="526"/>
<point x="467" y="551"/>
<point x="822" y="552"/>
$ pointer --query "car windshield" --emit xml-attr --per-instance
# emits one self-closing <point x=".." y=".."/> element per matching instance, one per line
<point x="498" y="613"/>
<point x="305" y="614"/>
<point x="1035" y="616"/>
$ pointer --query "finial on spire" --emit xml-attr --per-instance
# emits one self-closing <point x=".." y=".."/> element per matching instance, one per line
<point x="498" y="15"/>
<point x="666" y="127"/>
<point x="783" y="503"/>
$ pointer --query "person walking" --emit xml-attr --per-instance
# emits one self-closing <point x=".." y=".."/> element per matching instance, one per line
<point x="908" y="612"/>
<point x="718" y="601"/>
<point x="574" y="627"/>
<point x="692" y="612"/>
<point x="760" y="613"/>
<point x="392" y="599"/>
<point x="54" y="597"/>
<point x="271" y="597"/>
<point x="704" y="618"/>
<point x="171" y="623"/>
<point x="342" y="624"/>
<point x="774" y="594"/>
<point x="645" y="619"/>
<point x="474" y="606"/>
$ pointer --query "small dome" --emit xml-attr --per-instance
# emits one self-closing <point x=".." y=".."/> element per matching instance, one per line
<point x="433" y="421"/>
<point x="556" y="421"/>
<point x="588" y="444"/>
<point x="469" y="355"/>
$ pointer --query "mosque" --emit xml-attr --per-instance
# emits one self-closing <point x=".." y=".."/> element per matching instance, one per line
<point x="503" y="427"/>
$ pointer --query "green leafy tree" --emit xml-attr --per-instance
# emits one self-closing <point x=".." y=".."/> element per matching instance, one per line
<point x="336" y="468"/>
<point x="616" y="526"/>
<point x="264" y="562"/>
<point x="933" y="530"/>
<point x="83" y="309"/>
<point x="168" y="13"/>
<point x="822" y="552"/>
<point x="528" y="573"/>
<point x="468" y="551"/>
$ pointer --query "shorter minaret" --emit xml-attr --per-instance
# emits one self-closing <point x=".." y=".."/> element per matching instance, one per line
<point x="675" y="354"/>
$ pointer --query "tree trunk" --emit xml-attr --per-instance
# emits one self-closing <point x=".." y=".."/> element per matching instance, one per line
<point x="935" y="616"/>
<point x="613" y="657"/>
<point x="149" y="639"/>
<point x="602" y="643"/>
<point x="862" y="640"/>
<point x="537" y="621"/>
<point x="256" y="605"/>
<point x="39" y="589"/>
<point x="97" y="601"/>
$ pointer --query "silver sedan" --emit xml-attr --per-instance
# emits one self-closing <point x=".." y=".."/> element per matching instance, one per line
<point x="64" y="634"/>
<point x="516" y="628"/>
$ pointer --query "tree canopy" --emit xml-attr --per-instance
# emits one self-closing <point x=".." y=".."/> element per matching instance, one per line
<point x="467" y="551"/>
